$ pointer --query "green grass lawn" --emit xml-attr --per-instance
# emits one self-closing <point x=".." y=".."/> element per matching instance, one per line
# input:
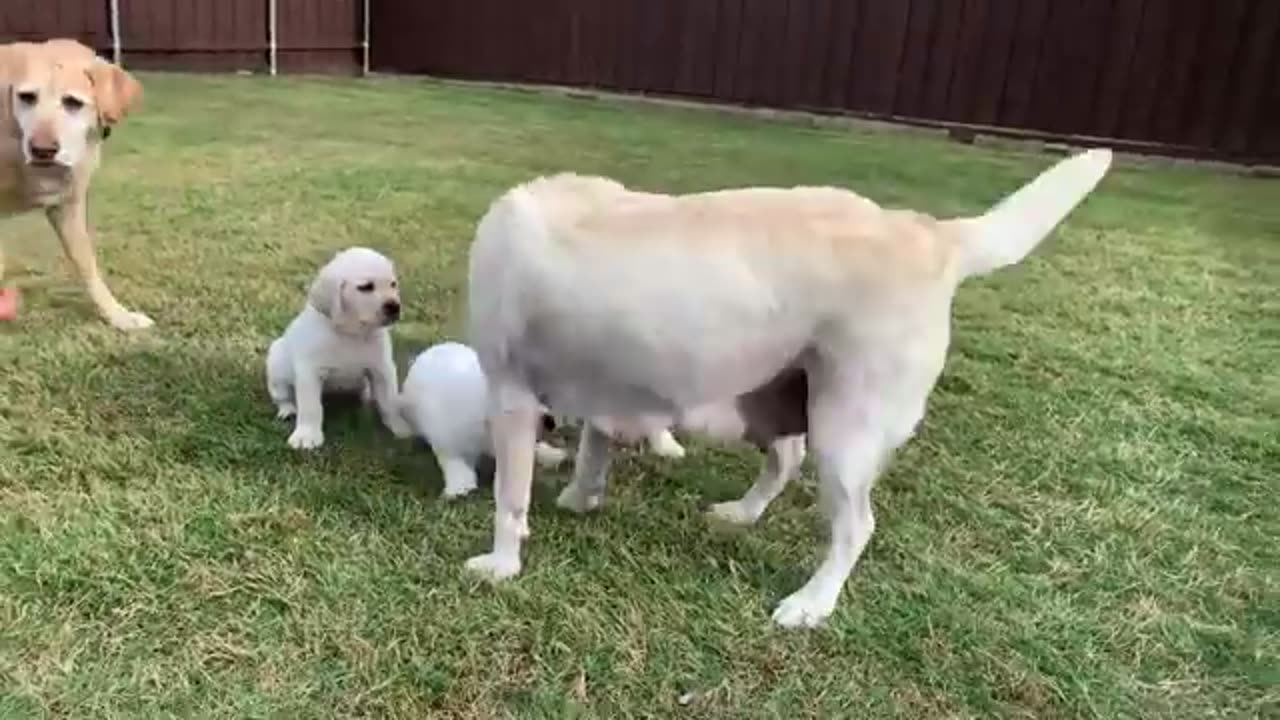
<point x="1085" y="526"/>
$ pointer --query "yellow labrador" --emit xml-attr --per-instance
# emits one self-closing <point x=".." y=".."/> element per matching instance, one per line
<point x="782" y="316"/>
<point x="58" y="102"/>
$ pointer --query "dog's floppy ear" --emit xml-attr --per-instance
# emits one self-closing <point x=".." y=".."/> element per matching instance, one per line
<point x="115" y="91"/>
<point x="326" y="293"/>
<point x="11" y="64"/>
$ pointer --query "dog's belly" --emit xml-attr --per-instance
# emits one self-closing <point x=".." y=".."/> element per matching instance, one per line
<point x="617" y="377"/>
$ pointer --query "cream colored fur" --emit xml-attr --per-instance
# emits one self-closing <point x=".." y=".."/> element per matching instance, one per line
<point x="339" y="343"/>
<point x="601" y="301"/>
<point x="57" y="100"/>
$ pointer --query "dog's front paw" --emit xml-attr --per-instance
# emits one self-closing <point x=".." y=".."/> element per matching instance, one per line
<point x="306" y="438"/>
<point x="459" y="484"/>
<point x="129" y="321"/>
<point x="548" y="456"/>
<point x="665" y="445"/>
<point x="802" y="610"/>
<point x="494" y="566"/>
<point x="734" y="512"/>
<point x="575" y="499"/>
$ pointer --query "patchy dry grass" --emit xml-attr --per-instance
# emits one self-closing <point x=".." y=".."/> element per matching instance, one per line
<point x="1085" y="527"/>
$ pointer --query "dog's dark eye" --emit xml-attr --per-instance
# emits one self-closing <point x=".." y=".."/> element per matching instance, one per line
<point x="72" y="103"/>
<point x="28" y="97"/>
<point x="365" y="287"/>
<point x="394" y="284"/>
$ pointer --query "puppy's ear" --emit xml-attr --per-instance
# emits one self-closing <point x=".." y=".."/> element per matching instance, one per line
<point x="115" y="91"/>
<point x="326" y="294"/>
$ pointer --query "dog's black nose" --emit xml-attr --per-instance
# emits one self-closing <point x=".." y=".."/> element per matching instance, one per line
<point x="391" y="309"/>
<point x="43" y="153"/>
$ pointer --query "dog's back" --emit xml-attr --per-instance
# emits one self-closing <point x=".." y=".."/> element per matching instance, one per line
<point x="606" y="301"/>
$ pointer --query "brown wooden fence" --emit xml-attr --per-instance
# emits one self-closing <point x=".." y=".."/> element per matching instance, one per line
<point x="1193" y="76"/>
<point x="221" y="35"/>
<point x="1188" y="77"/>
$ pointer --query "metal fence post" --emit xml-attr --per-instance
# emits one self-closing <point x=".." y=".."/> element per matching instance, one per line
<point x="364" y="42"/>
<point x="115" y="32"/>
<point x="271" y="34"/>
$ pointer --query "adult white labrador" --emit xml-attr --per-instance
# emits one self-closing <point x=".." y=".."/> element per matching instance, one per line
<point x="766" y="313"/>
<point x="339" y="343"/>
<point x="58" y="102"/>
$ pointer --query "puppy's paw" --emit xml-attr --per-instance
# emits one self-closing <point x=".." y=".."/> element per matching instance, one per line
<point x="398" y="426"/>
<point x="493" y="566"/>
<point x="801" y="610"/>
<point x="306" y="438"/>
<point x="129" y="321"/>
<point x="284" y="411"/>
<point x="548" y="455"/>
<point x="665" y="445"/>
<point x="456" y="488"/>
<point x="734" y="512"/>
<point x="575" y="499"/>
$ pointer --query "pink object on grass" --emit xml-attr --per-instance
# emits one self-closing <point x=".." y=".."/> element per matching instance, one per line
<point x="9" y="303"/>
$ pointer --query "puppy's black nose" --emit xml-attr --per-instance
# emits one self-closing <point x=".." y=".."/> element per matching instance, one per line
<point x="43" y="152"/>
<point x="391" y="309"/>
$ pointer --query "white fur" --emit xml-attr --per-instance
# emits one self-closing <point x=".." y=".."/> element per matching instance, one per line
<point x="601" y="301"/>
<point x="339" y="342"/>
<point x="445" y="401"/>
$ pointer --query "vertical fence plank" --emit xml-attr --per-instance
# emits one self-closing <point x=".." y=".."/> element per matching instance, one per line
<point x="1115" y="82"/>
<point x="997" y="48"/>
<point x="941" y="62"/>
<point x="840" y="52"/>
<point x="728" y="37"/>
<point x="881" y="38"/>
<point x="1207" y="98"/>
<point x="1186" y="31"/>
<point x="817" y="41"/>
<point x="1256" y="56"/>
<point x="964" y="92"/>
<point x="792" y="73"/>
<point x="914" y="71"/>
<point x="1148" y="69"/>
<point x="1019" y="86"/>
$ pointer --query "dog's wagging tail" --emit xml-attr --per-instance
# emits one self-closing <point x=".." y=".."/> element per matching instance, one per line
<point x="1008" y="232"/>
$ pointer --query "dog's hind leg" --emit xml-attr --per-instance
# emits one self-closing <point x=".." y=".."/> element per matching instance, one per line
<point x="279" y="383"/>
<point x="590" y="472"/>
<point x="784" y="457"/>
<point x="857" y="417"/>
<point x="513" y="424"/>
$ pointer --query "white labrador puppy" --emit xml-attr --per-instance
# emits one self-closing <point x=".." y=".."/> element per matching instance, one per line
<point x="339" y="343"/>
<point x="445" y="400"/>
<point x="764" y="313"/>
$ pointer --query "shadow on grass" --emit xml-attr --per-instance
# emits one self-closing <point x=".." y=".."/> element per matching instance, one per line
<point x="182" y="406"/>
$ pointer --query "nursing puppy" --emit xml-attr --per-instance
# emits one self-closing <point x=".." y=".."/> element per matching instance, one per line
<point x="764" y="312"/>
<point x="58" y="103"/>
<point x="445" y="400"/>
<point x="339" y="343"/>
